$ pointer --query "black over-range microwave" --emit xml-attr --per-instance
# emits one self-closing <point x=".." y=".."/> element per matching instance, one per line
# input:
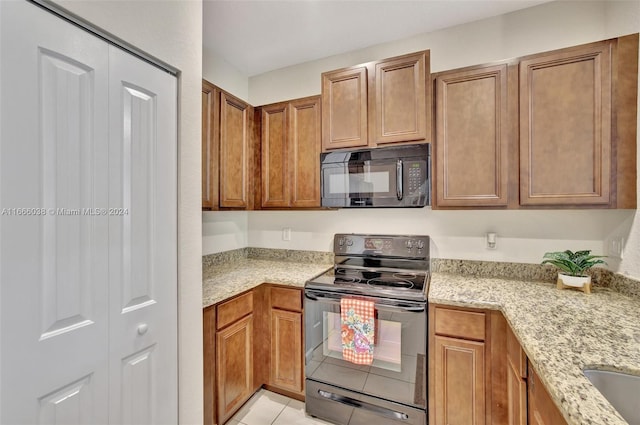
<point x="397" y="176"/>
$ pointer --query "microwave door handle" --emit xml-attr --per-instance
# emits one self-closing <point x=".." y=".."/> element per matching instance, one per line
<point x="399" y="179"/>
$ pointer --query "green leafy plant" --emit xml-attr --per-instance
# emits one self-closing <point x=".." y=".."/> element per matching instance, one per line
<point x="573" y="263"/>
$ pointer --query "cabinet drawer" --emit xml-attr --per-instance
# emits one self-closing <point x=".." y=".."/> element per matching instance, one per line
<point x="516" y="354"/>
<point x="459" y="323"/>
<point x="286" y="298"/>
<point x="234" y="309"/>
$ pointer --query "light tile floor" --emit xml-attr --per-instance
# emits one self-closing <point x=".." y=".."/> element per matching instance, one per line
<point x="268" y="408"/>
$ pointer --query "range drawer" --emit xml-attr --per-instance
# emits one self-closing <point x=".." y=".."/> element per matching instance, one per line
<point x="230" y="311"/>
<point x="460" y="323"/>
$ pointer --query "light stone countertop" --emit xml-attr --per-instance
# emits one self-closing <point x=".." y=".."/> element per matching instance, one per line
<point x="225" y="281"/>
<point x="562" y="332"/>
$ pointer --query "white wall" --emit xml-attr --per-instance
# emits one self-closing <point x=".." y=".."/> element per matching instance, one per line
<point x="523" y="236"/>
<point x="172" y="32"/>
<point x="537" y="29"/>
<point x="221" y="73"/>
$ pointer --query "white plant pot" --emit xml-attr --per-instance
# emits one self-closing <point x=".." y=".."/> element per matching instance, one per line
<point x="581" y="283"/>
<point x="574" y="281"/>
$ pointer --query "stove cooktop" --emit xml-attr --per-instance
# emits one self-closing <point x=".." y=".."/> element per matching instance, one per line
<point x="385" y="283"/>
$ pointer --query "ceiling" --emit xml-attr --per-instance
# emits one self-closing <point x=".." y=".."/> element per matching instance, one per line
<point x="257" y="36"/>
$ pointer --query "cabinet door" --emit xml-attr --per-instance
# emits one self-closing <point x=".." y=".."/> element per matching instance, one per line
<point x="234" y="370"/>
<point x="517" y="396"/>
<point x="304" y="152"/>
<point x="472" y="140"/>
<point x="210" y="145"/>
<point x="542" y="409"/>
<point x="565" y="127"/>
<point x="398" y="107"/>
<point x="344" y="108"/>
<point x="286" y="350"/>
<point x="234" y="152"/>
<point x="459" y="381"/>
<point x="275" y="180"/>
<point x="209" y="362"/>
<point x="516" y="380"/>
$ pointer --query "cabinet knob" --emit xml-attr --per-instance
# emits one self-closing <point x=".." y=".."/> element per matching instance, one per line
<point x="143" y="328"/>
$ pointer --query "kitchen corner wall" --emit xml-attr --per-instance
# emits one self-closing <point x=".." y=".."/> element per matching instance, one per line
<point x="523" y="236"/>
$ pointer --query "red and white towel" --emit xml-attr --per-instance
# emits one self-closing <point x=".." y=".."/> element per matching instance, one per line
<point x="357" y="330"/>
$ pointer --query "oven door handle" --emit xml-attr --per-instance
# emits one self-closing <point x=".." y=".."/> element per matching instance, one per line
<point x="382" y="411"/>
<point x="335" y="299"/>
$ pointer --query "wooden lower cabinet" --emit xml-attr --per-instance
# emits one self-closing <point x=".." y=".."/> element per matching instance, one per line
<point x="459" y="381"/>
<point x="467" y="375"/>
<point x="516" y="380"/>
<point x="286" y="361"/>
<point x="286" y="350"/>
<point x="234" y="354"/>
<point x="542" y="409"/>
<point x="252" y="340"/>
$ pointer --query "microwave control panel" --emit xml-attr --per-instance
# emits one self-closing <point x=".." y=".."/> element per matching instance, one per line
<point x="416" y="172"/>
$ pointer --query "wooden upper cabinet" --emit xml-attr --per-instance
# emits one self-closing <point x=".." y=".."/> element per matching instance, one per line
<point x="398" y="101"/>
<point x="472" y="138"/>
<point x="275" y="182"/>
<point x="377" y="103"/>
<point x="210" y="144"/>
<point x="344" y="108"/>
<point x="565" y="126"/>
<point x="235" y="136"/>
<point x="291" y="148"/>
<point x="304" y="152"/>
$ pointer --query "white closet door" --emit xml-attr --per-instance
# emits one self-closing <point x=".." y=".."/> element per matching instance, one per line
<point x="53" y="260"/>
<point x="142" y="242"/>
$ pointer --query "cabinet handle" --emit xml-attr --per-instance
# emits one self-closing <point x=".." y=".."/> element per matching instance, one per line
<point x="143" y="328"/>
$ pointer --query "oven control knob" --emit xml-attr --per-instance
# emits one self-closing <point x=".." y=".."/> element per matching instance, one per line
<point x="349" y="242"/>
<point x="341" y="241"/>
<point x="409" y="244"/>
<point x="420" y="244"/>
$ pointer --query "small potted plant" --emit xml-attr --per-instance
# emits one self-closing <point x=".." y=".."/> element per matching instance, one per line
<point x="573" y="266"/>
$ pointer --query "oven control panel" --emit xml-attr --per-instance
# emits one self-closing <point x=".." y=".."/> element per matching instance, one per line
<point x="410" y="246"/>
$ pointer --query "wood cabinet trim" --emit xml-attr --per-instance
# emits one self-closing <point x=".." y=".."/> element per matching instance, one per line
<point x="210" y="145"/>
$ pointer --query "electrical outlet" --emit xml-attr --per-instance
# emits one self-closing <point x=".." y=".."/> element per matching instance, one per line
<point x="286" y="233"/>
<point x="616" y="248"/>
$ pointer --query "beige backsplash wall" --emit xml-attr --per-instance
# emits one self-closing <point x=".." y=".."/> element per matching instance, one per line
<point x="523" y="236"/>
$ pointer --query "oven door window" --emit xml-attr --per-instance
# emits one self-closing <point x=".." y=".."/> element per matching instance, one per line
<point x="387" y="353"/>
<point x="364" y="179"/>
<point x="398" y="370"/>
